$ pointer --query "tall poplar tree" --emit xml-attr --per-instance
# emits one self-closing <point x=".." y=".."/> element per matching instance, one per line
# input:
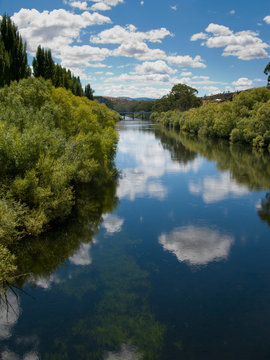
<point x="88" y="92"/>
<point x="43" y="64"/>
<point x="13" y="57"/>
<point x="267" y="71"/>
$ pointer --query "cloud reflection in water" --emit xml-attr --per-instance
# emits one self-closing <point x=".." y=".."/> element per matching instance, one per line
<point x="127" y="352"/>
<point x="197" y="245"/>
<point x="151" y="161"/>
<point x="112" y="223"/>
<point x="216" y="189"/>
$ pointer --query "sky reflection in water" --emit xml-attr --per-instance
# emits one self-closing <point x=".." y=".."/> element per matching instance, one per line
<point x="178" y="268"/>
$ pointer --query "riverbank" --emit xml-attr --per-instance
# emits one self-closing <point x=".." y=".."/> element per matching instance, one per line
<point x="50" y="140"/>
<point x="246" y="119"/>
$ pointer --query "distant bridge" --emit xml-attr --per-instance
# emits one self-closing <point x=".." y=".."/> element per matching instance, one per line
<point x="136" y="115"/>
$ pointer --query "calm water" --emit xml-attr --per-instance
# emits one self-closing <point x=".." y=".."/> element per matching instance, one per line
<point x="173" y="262"/>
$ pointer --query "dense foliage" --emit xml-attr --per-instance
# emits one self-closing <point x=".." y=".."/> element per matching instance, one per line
<point x="49" y="141"/>
<point x="246" y="119"/>
<point x="13" y="57"/>
<point x="181" y="97"/>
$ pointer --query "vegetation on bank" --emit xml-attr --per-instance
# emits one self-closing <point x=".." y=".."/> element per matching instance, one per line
<point x="246" y="119"/>
<point x="50" y="140"/>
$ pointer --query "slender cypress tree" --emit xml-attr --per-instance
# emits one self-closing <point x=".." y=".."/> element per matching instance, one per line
<point x="88" y="92"/>
<point x="13" y="57"/>
<point x="39" y="63"/>
<point x="267" y="71"/>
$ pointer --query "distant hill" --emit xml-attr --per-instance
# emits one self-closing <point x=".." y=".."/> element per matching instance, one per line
<point x="139" y="99"/>
<point x="122" y="104"/>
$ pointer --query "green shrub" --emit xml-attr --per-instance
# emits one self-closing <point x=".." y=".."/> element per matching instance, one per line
<point x="49" y="141"/>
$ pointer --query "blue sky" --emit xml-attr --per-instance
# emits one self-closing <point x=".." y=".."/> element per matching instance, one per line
<point x="142" y="48"/>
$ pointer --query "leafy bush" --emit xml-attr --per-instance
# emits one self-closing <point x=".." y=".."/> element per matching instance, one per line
<point x="49" y="141"/>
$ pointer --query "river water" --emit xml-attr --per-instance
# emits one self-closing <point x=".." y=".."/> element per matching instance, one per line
<point x="171" y="262"/>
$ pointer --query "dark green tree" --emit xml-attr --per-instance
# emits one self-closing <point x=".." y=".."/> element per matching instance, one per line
<point x="267" y="71"/>
<point x="89" y="92"/>
<point x="49" y="65"/>
<point x="39" y="63"/>
<point x="13" y="57"/>
<point x="181" y="97"/>
<point x="43" y="64"/>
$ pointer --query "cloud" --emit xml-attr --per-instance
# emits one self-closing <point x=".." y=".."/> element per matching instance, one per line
<point x="214" y="189"/>
<point x="267" y="19"/>
<point x="196" y="245"/>
<point x="56" y="29"/>
<point x="46" y="282"/>
<point x="109" y="2"/>
<point x="229" y="89"/>
<point x="131" y="90"/>
<point x="183" y="61"/>
<point x="151" y="162"/>
<point x="218" y="30"/>
<point x="112" y="223"/>
<point x="199" y="36"/>
<point x="129" y="34"/>
<point x="232" y="12"/>
<point x="82" y="5"/>
<point x="82" y="256"/>
<point x="10" y="355"/>
<point x="142" y="2"/>
<point x="188" y="73"/>
<point x="245" y="45"/>
<point x="173" y="7"/>
<point x="100" y="7"/>
<point x="82" y="56"/>
<point x="242" y="84"/>
<point x="127" y="352"/>
<point x="154" y="67"/>
<point x="138" y="50"/>
<point x="212" y="90"/>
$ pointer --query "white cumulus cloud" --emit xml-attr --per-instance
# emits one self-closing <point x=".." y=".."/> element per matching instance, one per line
<point x="267" y="19"/>
<point x="119" y="34"/>
<point x="242" y="84"/>
<point x="82" y="5"/>
<point x="154" y="67"/>
<point x="186" y="60"/>
<point x="245" y="45"/>
<point x="55" y="29"/>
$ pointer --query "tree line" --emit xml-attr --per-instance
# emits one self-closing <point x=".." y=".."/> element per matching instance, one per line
<point x="245" y="119"/>
<point x="14" y="64"/>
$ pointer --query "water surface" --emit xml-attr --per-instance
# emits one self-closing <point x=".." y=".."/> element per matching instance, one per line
<point x="171" y="262"/>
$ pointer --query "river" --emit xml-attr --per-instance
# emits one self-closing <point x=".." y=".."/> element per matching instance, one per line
<point x="170" y="262"/>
